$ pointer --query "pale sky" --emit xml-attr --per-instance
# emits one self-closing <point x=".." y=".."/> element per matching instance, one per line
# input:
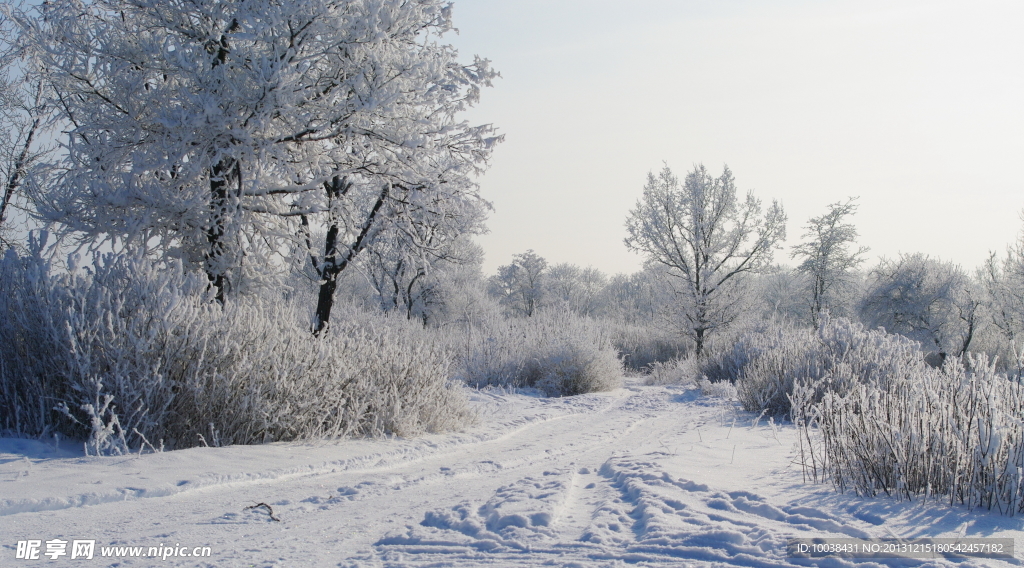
<point x="917" y="107"/>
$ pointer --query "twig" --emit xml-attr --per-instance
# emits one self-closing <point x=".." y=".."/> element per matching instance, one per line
<point x="758" y="419"/>
<point x="267" y="507"/>
<point x="775" y="431"/>
<point x="667" y="449"/>
<point x="145" y="442"/>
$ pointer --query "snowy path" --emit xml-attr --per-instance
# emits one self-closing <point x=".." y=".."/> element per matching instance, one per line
<point x="641" y="476"/>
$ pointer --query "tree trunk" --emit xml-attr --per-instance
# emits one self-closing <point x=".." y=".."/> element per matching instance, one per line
<point x="328" y="282"/>
<point x="333" y="263"/>
<point x="817" y="299"/>
<point x="19" y="171"/>
<point x="225" y="173"/>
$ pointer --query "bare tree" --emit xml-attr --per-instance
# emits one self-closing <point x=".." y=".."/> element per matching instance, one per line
<point x="419" y="283"/>
<point x="637" y="298"/>
<point x="778" y="290"/>
<point x="828" y="259"/>
<point x="706" y="238"/>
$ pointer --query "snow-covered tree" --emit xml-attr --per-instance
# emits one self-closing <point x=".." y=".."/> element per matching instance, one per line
<point x="575" y="288"/>
<point x="520" y="286"/>
<point x="227" y="131"/>
<point x="22" y="111"/>
<point x="925" y="299"/>
<point x="1003" y="281"/>
<point x="779" y="291"/>
<point x="420" y="284"/>
<point x="707" y="239"/>
<point x="638" y="298"/>
<point x="828" y="259"/>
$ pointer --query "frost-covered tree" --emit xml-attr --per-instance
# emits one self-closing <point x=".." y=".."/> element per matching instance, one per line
<point x="421" y="284"/>
<point x="226" y="131"/>
<point x="575" y="288"/>
<point x="925" y="299"/>
<point x="707" y="239"/>
<point x="1003" y="281"/>
<point x="21" y="114"/>
<point x="636" y="298"/>
<point x="22" y="111"/>
<point x="828" y="258"/>
<point x="520" y="286"/>
<point x="779" y="291"/>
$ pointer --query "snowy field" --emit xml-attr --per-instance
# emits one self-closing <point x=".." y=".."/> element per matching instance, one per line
<point x="643" y="476"/>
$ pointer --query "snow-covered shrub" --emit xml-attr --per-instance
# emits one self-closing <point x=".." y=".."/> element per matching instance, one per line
<point x="721" y="389"/>
<point x="558" y="352"/>
<point x="674" y="372"/>
<point x="640" y="346"/>
<point x="954" y="432"/>
<point x="128" y="349"/>
<point x="775" y="358"/>
<point x="766" y="363"/>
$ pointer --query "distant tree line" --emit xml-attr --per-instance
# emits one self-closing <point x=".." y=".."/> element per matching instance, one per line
<point x="710" y="272"/>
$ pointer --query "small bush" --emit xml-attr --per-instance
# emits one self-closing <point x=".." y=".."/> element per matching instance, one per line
<point x="558" y="352"/>
<point x="127" y="352"/>
<point x="674" y="372"/>
<point x="721" y="389"/>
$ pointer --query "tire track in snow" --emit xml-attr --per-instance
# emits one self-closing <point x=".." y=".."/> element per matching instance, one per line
<point x="541" y="483"/>
<point x="513" y="460"/>
<point x="646" y="417"/>
<point x="634" y="510"/>
<point x="383" y="492"/>
<point x="410" y="452"/>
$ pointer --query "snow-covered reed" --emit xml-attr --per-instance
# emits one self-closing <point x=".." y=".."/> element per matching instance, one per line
<point x="126" y="353"/>
<point x="955" y="432"/>
<point x="875" y="419"/>
<point x="558" y="352"/>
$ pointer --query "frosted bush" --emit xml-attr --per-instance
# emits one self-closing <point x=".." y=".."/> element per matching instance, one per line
<point x="674" y="372"/>
<point x="768" y="376"/>
<point x="954" y="432"/>
<point x="559" y="352"/>
<point x="130" y="349"/>
<point x="721" y="389"/>
<point x="875" y="419"/>
<point x="765" y="364"/>
<point x="574" y="368"/>
<point x="641" y="346"/>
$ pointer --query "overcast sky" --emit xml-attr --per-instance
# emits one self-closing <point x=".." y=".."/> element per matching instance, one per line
<point x="917" y="107"/>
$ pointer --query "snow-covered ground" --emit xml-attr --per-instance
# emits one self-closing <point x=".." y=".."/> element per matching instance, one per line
<point x="642" y="475"/>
